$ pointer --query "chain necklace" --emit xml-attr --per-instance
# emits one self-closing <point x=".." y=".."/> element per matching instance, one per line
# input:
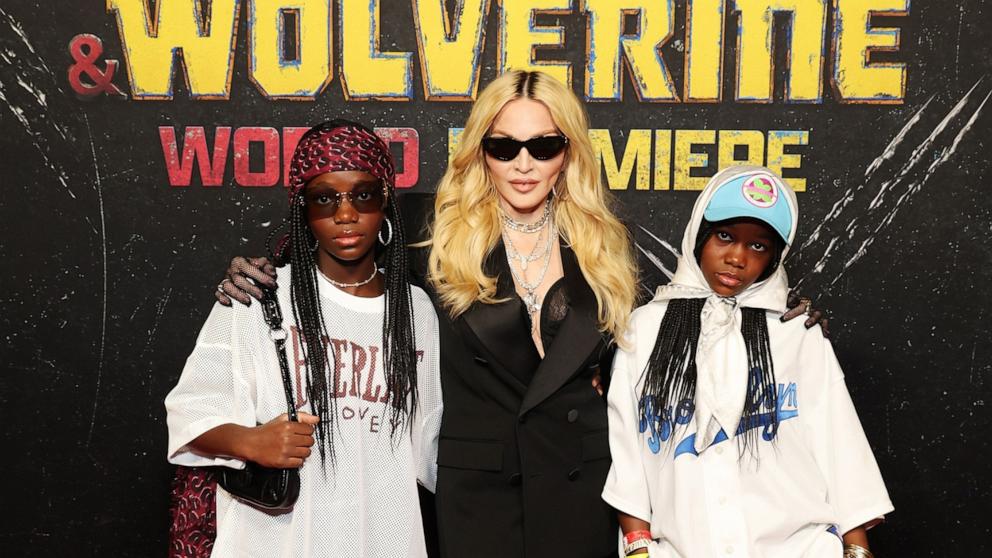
<point x="535" y="254"/>
<point x="530" y="299"/>
<point x="340" y="285"/>
<point x="527" y="228"/>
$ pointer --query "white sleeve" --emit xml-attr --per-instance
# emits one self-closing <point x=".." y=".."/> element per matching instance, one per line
<point x="626" y="486"/>
<point x="855" y="486"/>
<point x="427" y="423"/>
<point x="215" y="388"/>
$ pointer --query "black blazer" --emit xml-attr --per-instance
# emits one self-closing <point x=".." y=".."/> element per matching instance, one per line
<point x="521" y="466"/>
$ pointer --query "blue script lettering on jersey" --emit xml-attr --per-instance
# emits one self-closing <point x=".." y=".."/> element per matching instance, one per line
<point x="659" y="422"/>
<point x="787" y="407"/>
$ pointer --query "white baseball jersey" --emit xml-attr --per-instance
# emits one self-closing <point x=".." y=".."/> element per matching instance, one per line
<point x="813" y="480"/>
<point x="365" y="504"/>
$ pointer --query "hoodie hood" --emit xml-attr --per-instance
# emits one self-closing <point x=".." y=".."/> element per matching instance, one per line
<point x="721" y="353"/>
<point x="781" y="214"/>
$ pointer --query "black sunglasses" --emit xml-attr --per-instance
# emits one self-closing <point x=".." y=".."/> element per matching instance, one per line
<point x="542" y="148"/>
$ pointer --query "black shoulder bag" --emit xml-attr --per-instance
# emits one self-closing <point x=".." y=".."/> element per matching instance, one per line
<point x="265" y="487"/>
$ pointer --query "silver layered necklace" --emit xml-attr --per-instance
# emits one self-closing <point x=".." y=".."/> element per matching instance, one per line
<point x="538" y="252"/>
<point x="541" y="251"/>
<point x="528" y="228"/>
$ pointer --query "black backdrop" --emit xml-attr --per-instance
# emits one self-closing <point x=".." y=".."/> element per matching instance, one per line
<point x="110" y="270"/>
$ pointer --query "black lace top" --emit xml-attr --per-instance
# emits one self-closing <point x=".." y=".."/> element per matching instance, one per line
<point x="554" y="308"/>
<point x="553" y="311"/>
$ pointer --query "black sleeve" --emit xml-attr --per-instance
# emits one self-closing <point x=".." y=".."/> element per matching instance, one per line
<point x="606" y="354"/>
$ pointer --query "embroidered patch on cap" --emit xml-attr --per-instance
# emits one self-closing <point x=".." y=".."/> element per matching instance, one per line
<point x="760" y="190"/>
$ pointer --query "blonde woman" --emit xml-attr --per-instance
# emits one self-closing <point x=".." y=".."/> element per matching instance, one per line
<point x="533" y="277"/>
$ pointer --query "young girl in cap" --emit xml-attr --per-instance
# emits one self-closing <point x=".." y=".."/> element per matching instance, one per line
<point x="732" y="433"/>
<point x="363" y="359"/>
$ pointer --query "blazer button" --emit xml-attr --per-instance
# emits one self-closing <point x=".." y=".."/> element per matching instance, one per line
<point x="515" y="479"/>
<point x="482" y="361"/>
<point x="522" y="419"/>
<point x="573" y="415"/>
<point x="574" y="474"/>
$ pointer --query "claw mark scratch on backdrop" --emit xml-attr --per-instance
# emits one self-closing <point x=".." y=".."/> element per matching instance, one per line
<point x="23" y="69"/>
<point x="16" y="27"/>
<point x="652" y="257"/>
<point x="871" y="217"/>
<point x="849" y="194"/>
<point x="103" y="318"/>
<point x="890" y="149"/>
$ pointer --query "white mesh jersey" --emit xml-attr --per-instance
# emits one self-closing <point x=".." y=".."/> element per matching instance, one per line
<point x="814" y="479"/>
<point x="365" y="504"/>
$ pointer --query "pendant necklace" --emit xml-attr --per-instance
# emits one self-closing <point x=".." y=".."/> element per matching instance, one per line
<point x="530" y="299"/>
<point x="535" y="253"/>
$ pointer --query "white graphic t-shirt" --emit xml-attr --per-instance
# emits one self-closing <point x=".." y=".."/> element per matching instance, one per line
<point x="364" y="503"/>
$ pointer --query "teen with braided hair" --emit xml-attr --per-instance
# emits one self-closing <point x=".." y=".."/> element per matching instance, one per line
<point x="732" y="432"/>
<point x="363" y="353"/>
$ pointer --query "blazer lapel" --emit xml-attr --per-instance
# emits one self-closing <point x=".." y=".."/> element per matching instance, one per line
<point x="577" y="337"/>
<point x="501" y="327"/>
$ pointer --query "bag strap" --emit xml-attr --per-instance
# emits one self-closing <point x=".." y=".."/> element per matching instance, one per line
<point x="273" y="317"/>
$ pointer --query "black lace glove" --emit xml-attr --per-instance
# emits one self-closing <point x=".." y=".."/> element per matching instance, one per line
<point x="241" y="280"/>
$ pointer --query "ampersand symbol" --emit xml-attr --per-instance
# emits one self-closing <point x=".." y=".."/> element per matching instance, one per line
<point x="86" y="50"/>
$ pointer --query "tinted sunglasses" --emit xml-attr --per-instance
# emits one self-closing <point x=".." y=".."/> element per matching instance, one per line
<point x="364" y="200"/>
<point x="542" y="148"/>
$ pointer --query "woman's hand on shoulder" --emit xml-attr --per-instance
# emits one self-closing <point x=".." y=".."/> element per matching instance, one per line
<point x="240" y="280"/>
<point x="281" y="443"/>
<point x="799" y="305"/>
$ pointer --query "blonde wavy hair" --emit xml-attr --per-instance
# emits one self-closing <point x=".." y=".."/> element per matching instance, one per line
<point x="466" y="225"/>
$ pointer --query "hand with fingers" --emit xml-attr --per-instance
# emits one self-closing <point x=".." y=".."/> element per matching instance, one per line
<point x="597" y="382"/>
<point x="242" y="278"/>
<point x="800" y="305"/>
<point x="282" y="443"/>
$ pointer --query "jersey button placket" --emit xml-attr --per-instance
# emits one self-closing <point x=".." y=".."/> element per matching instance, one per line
<point x="720" y="476"/>
<point x="714" y="479"/>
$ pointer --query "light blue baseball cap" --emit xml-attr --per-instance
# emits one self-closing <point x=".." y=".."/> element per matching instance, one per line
<point x="755" y="194"/>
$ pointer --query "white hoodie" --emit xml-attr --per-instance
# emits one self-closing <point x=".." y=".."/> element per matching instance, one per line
<point x="803" y="486"/>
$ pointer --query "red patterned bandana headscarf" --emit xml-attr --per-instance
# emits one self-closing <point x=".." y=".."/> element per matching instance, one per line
<point x="339" y="145"/>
